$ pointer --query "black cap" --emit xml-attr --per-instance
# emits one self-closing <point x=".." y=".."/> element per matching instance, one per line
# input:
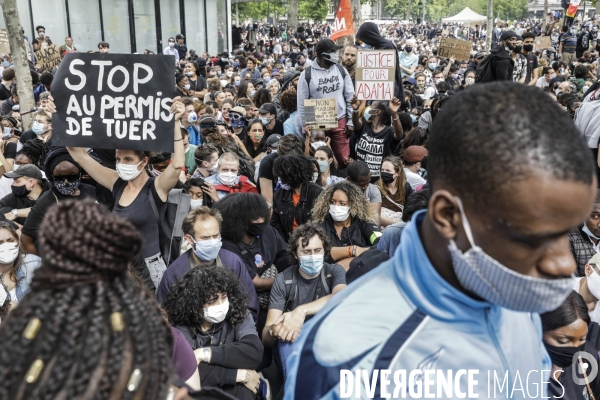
<point x="268" y="108"/>
<point x="273" y="140"/>
<point x="28" y="170"/>
<point x="326" y="46"/>
<point x="179" y="36"/>
<point x="507" y="35"/>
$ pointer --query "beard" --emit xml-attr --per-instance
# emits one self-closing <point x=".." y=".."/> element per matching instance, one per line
<point x="347" y="63"/>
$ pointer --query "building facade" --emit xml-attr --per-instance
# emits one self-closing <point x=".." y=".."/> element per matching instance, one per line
<point x="130" y="26"/>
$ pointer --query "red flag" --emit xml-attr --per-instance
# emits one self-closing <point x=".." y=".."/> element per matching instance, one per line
<point x="572" y="10"/>
<point x="343" y="24"/>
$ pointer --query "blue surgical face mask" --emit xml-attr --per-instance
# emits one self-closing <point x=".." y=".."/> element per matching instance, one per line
<point x="367" y="114"/>
<point x="414" y="118"/>
<point x="589" y="233"/>
<point x="236" y="64"/>
<point x="5" y="64"/>
<point x="265" y="121"/>
<point x="252" y="93"/>
<point x="311" y="265"/>
<point x="432" y="66"/>
<point x="37" y="128"/>
<point x="207" y="250"/>
<point x="237" y="83"/>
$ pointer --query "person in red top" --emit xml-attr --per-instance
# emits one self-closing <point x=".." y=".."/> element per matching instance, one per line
<point x="227" y="179"/>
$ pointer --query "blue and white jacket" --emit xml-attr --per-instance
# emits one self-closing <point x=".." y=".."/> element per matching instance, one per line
<point x="404" y="316"/>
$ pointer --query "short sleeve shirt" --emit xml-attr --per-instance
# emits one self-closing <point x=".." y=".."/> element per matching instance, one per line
<point x="373" y="147"/>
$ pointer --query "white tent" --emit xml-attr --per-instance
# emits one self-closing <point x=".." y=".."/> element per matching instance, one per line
<point x="466" y="16"/>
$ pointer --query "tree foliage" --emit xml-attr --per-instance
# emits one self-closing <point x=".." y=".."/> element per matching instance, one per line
<point x="307" y="9"/>
<point x="435" y="10"/>
<point x="315" y="10"/>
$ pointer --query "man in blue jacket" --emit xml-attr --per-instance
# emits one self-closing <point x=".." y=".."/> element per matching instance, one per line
<point x="202" y="230"/>
<point x="462" y="294"/>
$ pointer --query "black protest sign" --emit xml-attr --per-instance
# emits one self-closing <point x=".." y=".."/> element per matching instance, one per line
<point x="114" y="101"/>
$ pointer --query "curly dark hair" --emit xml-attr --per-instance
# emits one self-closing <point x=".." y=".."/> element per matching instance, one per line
<point x="261" y="97"/>
<point x="201" y="286"/>
<point x="293" y="170"/>
<point x="288" y="100"/>
<point x="36" y="151"/>
<point x="290" y="144"/>
<point x="94" y="322"/>
<point x="359" y="205"/>
<point x="303" y="234"/>
<point x="238" y="211"/>
<point x="416" y="137"/>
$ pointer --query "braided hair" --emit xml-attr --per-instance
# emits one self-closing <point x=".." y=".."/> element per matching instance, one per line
<point x="36" y="150"/>
<point x="85" y="330"/>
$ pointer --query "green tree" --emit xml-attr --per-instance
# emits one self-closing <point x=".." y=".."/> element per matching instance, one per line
<point x="315" y="10"/>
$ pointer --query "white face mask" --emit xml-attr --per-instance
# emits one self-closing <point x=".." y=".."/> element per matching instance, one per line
<point x="128" y="172"/>
<point x="593" y="282"/>
<point x="339" y="213"/>
<point x="195" y="203"/>
<point x="223" y="83"/>
<point x="186" y="87"/>
<point x="229" y="74"/>
<point x="485" y="277"/>
<point x="227" y="178"/>
<point x="216" y="314"/>
<point x="8" y="252"/>
<point x="316" y="145"/>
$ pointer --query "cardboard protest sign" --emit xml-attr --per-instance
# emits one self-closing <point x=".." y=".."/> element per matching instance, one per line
<point x="4" y="46"/>
<point x="542" y="42"/>
<point x="375" y="73"/>
<point x="321" y="113"/>
<point x="48" y="57"/>
<point x="114" y="101"/>
<point x="445" y="32"/>
<point x="459" y="49"/>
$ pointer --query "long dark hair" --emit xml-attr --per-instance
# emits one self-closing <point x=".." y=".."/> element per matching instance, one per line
<point x="238" y="210"/>
<point x="571" y="310"/>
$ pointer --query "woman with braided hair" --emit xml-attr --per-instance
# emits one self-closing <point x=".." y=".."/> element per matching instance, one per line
<point x="86" y="330"/>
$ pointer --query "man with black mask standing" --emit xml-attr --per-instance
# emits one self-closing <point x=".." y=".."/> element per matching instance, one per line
<point x="502" y="63"/>
<point x="326" y="79"/>
<point x="532" y="60"/>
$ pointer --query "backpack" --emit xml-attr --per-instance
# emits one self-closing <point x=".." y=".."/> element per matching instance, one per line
<point x="307" y="76"/>
<point x="170" y="225"/>
<point x="290" y="278"/>
<point x="484" y="72"/>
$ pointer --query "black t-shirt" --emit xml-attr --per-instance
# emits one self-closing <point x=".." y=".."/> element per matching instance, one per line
<point x="4" y="92"/>
<point x="532" y="63"/>
<point x="266" y="168"/>
<point x="198" y="85"/>
<point x="11" y="202"/>
<point x="10" y="150"/>
<point x="47" y="200"/>
<point x="278" y="129"/>
<point x="373" y="147"/>
<point x="140" y="214"/>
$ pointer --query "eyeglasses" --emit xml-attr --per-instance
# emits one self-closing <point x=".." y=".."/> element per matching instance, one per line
<point x="235" y="116"/>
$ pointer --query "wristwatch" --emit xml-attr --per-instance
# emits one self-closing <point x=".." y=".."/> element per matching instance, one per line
<point x="15" y="212"/>
<point x="206" y="352"/>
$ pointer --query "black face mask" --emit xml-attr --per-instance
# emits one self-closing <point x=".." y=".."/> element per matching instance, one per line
<point x="386" y="177"/>
<point x="518" y="49"/>
<point x="20" y="191"/>
<point x="562" y="356"/>
<point x="528" y="47"/>
<point x="255" y="230"/>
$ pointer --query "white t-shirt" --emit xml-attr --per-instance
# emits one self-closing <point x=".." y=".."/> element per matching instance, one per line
<point x="413" y="179"/>
<point x="595" y="313"/>
<point x="541" y="82"/>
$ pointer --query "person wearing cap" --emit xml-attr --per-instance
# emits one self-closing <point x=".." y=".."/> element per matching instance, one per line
<point x="267" y="113"/>
<point x="588" y="287"/>
<point x="408" y="60"/>
<point x="413" y="156"/>
<point x="180" y="46"/>
<point x="28" y="185"/>
<point x="238" y="121"/>
<point x="325" y="68"/>
<point x="502" y="63"/>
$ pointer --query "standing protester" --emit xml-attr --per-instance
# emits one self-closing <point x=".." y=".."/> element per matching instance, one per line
<point x="519" y="62"/>
<point x="502" y="63"/>
<point x="180" y="46"/>
<point x="349" y="60"/>
<point x="585" y="239"/>
<point x="588" y="286"/>
<point x="465" y="268"/>
<point x="567" y="46"/>
<point x="532" y="60"/>
<point x="42" y="41"/>
<point x="325" y="79"/>
<point x="170" y="50"/>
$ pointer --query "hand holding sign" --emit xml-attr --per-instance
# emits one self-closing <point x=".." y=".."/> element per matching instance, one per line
<point x="355" y="103"/>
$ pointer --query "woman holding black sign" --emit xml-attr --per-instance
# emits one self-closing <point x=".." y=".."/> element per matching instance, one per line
<point x="134" y="192"/>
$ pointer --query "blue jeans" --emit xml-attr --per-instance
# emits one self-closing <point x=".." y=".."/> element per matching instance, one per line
<point x="282" y="353"/>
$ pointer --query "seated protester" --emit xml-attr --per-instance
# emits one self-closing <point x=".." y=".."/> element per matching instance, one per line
<point x="16" y="267"/>
<point x="206" y="157"/>
<point x="184" y="360"/>
<point x="288" y="144"/>
<point x="295" y="199"/>
<point x="9" y="143"/>
<point x="315" y="138"/>
<point x="360" y="175"/>
<point x="267" y="113"/>
<point x="564" y="333"/>
<point x="210" y="308"/>
<point x="182" y="86"/>
<point x="377" y="133"/>
<point x="237" y="122"/>
<point x="189" y="150"/>
<point x="394" y="190"/>
<point x="202" y="230"/>
<point x="188" y="120"/>
<point x="158" y="163"/>
<point x="349" y="221"/>
<point x="65" y="175"/>
<point x="246" y="231"/>
<point x="27" y="187"/>
<point x="302" y="290"/>
<point x="289" y="110"/>
<point x="226" y="180"/>
<point x="199" y="190"/>
<point x="34" y="152"/>
<point x="136" y="195"/>
<point x="412" y="157"/>
<point x="584" y="241"/>
<point x="41" y="129"/>
<point x="328" y="167"/>
<point x="255" y="144"/>
<point x="248" y="105"/>
<point x="390" y="240"/>
<point x="588" y="287"/>
<point x="272" y="144"/>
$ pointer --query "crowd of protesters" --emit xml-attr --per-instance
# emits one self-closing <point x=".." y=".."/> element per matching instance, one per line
<point x="477" y="180"/>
